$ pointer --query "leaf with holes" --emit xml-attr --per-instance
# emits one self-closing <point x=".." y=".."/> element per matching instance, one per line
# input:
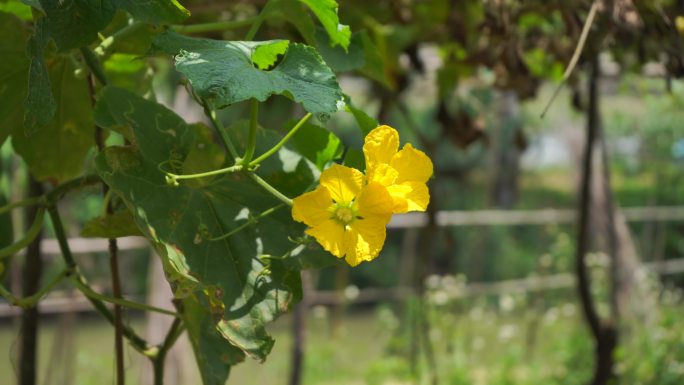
<point x="225" y="72"/>
<point x="239" y="278"/>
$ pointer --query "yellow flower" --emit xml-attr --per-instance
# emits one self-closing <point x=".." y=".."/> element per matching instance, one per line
<point x="346" y="216"/>
<point x="404" y="172"/>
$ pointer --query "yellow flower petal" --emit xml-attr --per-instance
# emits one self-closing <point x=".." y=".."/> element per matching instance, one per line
<point x="343" y="183"/>
<point x="380" y="145"/>
<point x="331" y="235"/>
<point x="312" y="208"/>
<point x="374" y="201"/>
<point x="412" y="165"/>
<point x="409" y="196"/>
<point x="370" y="237"/>
<point x="383" y="173"/>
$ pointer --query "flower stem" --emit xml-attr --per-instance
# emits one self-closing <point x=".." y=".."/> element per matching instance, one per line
<point x="217" y="26"/>
<point x="282" y="142"/>
<point x="253" y="124"/>
<point x="272" y="190"/>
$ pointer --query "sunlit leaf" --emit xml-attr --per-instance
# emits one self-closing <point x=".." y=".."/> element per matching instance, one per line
<point x="238" y="277"/>
<point x="326" y="12"/>
<point x="223" y="72"/>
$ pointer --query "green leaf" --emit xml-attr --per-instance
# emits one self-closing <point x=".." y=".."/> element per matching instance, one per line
<point x="295" y="13"/>
<point x="326" y="12"/>
<point x="33" y="3"/>
<point x="234" y="276"/>
<point x="115" y="225"/>
<point x="354" y="158"/>
<point x="17" y="8"/>
<point x="341" y="60"/>
<point x="40" y="104"/>
<point x="155" y="11"/>
<point x="223" y="72"/>
<point x="128" y="71"/>
<point x="75" y="23"/>
<point x="317" y="144"/>
<point x="265" y="56"/>
<point x="57" y="151"/>
<point x="377" y="66"/>
<point x="365" y="122"/>
<point x="13" y="73"/>
<point x="214" y="354"/>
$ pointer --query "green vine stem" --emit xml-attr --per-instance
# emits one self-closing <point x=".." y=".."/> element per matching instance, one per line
<point x="93" y="64"/>
<point x="210" y="111"/>
<point x="78" y="280"/>
<point x="158" y="362"/>
<point x="75" y="184"/>
<point x="282" y="142"/>
<point x="250" y="221"/>
<point x="31" y="234"/>
<point x="253" y="125"/>
<point x="272" y="190"/>
<point x="173" y="179"/>
<point x="32" y="300"/>
<point x="217" y="26"/>
<point x="22" y="203"/>
<point x="90" y="293"/>
<point x="257" y="23"/>
<point x="106" y="44"/>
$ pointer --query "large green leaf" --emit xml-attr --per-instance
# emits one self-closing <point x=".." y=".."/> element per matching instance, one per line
<point x="58" y="150"/>
<point x="13" y="73"/>
<point x="75" y="23"/>
<point x="155" y="11"/>
<point x="242" y="286"/>
<point x="326" y="12"/>
<point x="214" y="354"/>
<point x="224" y="72"/>
<point x="341" y="60"/>
<point x="40" y="104"/>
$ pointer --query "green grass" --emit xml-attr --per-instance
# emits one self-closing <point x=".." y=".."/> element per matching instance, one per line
<point x="342" y="357"/>
<point x="513" y="340"/>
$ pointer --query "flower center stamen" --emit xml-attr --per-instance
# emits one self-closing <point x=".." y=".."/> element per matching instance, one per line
<point x="344" y="214"/>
